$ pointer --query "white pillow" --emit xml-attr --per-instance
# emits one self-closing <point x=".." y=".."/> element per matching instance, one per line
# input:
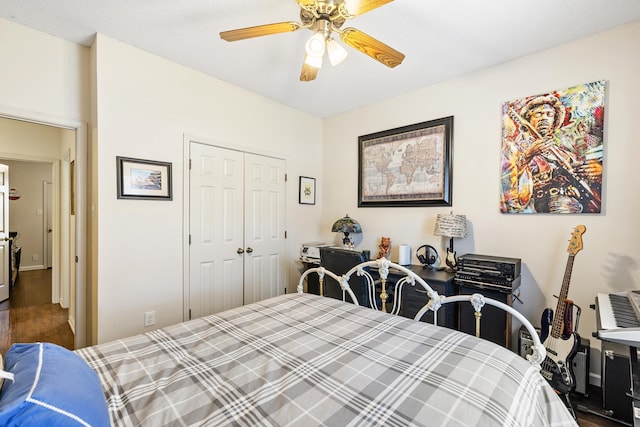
<point x="4" y="375"/>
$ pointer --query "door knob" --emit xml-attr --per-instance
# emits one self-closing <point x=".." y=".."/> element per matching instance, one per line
<point x="239" y="251"/>
<point x="249" y="250"/>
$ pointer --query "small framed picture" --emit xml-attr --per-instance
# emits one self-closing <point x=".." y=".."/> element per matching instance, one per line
<point x="143" y="179"/>
<point x="307" y="190"/>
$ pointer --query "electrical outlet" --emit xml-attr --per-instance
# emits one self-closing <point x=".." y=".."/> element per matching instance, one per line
<point x="149" y="318"/>
<point x="35" y="257"/>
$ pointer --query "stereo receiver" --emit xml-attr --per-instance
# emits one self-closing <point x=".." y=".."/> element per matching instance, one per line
<point x="488" y="266"/>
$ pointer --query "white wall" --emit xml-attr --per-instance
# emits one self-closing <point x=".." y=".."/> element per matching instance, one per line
<point x="145" y="106"/>
<point x="42" y="73"/>
<point x="611" y="256"/>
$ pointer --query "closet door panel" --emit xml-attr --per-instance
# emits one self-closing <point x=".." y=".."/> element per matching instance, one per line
<point x="216" y="228"/>
<point x="265" y="261"/>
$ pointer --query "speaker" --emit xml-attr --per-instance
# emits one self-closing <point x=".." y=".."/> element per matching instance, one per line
<point x="616" y="381"/>
<point x="495" y="324"/>
<point x="404" y="255"/>
<point x="580" y="365"/>
<point x="525" y="342"/>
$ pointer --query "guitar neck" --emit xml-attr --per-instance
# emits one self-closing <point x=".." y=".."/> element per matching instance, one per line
<point x="558" y="316"/>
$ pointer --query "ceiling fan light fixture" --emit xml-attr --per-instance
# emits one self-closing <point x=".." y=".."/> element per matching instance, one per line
<point x="336" y="52"/>
<point x="315" y="46"/>
<point x="313" y="61"/>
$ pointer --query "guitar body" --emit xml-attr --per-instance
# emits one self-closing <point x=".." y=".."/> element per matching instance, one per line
<point x="557" y="367"/>
<point x="545" y="323"/>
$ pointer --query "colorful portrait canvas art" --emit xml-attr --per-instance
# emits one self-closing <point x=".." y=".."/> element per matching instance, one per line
<point x="552" y="151"/>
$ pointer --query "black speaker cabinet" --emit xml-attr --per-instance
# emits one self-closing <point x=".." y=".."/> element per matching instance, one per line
<point x="616" y="381"/>
<point x="495" y="324"/>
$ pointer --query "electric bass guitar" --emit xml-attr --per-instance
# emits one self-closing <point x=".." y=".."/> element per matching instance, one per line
<point x="561" y="345"/>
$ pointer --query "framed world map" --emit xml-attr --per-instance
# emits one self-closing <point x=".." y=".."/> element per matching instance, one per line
<point x="406" y="166"/>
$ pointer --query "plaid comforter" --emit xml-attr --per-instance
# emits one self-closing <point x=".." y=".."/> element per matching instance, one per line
<point x="304" y="360"/>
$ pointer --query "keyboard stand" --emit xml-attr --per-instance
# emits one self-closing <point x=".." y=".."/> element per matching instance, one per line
<point x="635" y="385"/>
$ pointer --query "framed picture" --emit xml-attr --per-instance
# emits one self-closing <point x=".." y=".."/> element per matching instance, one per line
<point x="407" y="166"/>
<point x="143" y="179"/>
<point x="553" y="151"/>
<point x="307" y="191"/>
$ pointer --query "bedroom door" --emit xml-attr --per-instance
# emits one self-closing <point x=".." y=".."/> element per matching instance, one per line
<point x="5" y="273"/>
<point x="236" y="228"/>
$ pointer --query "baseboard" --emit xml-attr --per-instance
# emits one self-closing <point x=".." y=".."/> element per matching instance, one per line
<point x="31" y="267"/>
<point x="72" y="325"/>
<point x="595" y="379"/>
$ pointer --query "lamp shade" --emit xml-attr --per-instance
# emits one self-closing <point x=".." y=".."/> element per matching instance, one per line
<point x="346" y="224"/>
<point x="336" y="53"/>
<point x="450" y="225"/>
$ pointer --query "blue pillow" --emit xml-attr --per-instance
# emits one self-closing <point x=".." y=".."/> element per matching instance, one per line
<point x="52" y="386"/>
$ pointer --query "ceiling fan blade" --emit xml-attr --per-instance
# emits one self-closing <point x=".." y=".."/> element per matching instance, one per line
<point x="258" y="31"/>
<point x="372" y="47"/>
<point x="308" y="72"/>
<point x="358" y="7"/>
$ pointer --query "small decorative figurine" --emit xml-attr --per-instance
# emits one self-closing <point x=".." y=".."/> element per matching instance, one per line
<point x="384" y="247"/>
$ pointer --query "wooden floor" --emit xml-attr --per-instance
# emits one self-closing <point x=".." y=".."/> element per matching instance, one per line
<point x="29" y="316"/>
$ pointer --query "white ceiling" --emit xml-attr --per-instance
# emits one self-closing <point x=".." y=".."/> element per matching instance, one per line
<point x="440" y="39"/>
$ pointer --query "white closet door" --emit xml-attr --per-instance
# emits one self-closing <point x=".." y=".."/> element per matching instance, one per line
<point x="216" y="194"/>
<point x="264" y="271"/>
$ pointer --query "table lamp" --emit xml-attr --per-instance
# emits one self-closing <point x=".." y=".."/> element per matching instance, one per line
<point x="451" y="226"/>
<point x="346" y="225"/>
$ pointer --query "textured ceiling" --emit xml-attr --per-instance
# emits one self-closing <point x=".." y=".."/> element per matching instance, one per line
<point x="441" y="40"/>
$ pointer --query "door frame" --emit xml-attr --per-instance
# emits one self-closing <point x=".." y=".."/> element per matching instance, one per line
<point x="81" y="335"/>
<point x="48" y="193"/>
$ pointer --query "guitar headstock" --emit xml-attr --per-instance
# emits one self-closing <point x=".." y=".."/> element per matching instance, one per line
<point x="575" y="243"/>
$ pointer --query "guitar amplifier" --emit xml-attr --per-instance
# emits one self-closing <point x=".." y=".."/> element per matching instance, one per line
<point x="579" y="365"/>
<point x="525" y="342"/>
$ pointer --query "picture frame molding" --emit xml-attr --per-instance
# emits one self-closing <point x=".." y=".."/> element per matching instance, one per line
<point x="126" y="191"/>
<point x="444" y="198"/>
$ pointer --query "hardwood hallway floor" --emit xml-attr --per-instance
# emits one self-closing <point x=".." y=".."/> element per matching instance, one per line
<point x="29" y="316"/>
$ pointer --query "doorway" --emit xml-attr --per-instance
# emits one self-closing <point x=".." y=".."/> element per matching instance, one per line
<point x="76" y="258"/>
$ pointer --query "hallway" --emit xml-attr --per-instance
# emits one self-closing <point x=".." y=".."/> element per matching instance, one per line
<point x="29" y="315"/>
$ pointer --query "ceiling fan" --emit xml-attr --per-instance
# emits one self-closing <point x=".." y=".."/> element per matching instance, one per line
<point x="323" y="18"/>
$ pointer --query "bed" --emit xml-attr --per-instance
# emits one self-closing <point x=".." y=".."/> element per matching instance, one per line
<point x="307" y="360"/>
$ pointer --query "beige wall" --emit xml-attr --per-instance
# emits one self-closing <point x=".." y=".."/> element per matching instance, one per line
<point x="43" y="74"/>
<point x="26" y="215"/>
<point x="611" y="256"/>
<point x="145" y="108"/>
